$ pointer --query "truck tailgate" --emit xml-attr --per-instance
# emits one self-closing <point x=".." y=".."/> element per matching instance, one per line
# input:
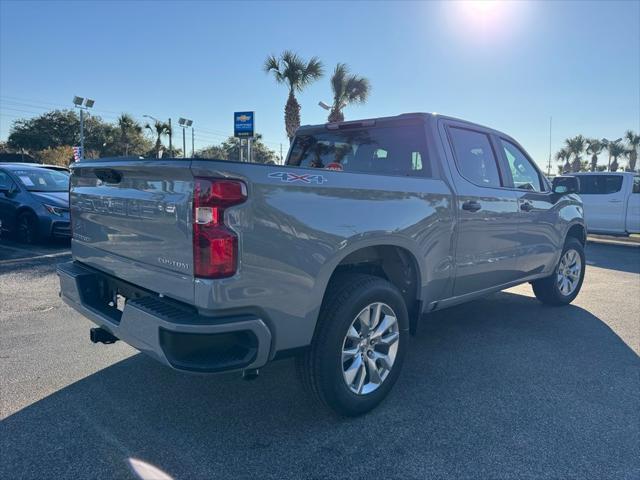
<point x="132" y="219"/>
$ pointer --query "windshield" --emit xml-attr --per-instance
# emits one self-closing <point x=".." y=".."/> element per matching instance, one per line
<point x="41" y="180"/>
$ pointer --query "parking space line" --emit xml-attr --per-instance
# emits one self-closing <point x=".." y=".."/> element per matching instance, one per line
<point x="37" y="257"/>
<point x="22" y="250"/>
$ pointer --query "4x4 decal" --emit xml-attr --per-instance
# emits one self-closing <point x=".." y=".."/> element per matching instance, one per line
<point x="288" y="177"/>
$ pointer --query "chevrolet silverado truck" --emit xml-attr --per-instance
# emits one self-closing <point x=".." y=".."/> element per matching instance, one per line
<point x="210" y="265"/>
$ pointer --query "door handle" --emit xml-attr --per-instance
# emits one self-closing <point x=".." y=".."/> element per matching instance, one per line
<point x="526" y="207"/>
<point x="615" y="201"/>
<point x="471" y="206"/>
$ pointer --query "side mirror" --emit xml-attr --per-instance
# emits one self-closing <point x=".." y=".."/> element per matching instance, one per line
<point x="565" y="184"/>
<point x="4" y="189"/>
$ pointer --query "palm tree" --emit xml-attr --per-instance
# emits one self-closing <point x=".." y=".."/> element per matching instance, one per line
<point x="159" y="129"/>
<point x="293" y="71"/>
<point x="575" y="147"/>
<point x="129" y="132"/>
<point x="563" y="155"/>
<point x="615" y="150"/>
<point x="633" y="141"/>
<point x="594" y="147"/>
<point x="347" y="89"/>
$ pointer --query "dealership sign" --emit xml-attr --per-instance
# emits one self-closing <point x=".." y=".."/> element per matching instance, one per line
<point x="243" y="124"/>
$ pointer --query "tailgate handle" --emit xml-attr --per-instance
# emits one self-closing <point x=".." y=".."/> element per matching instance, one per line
<point x="108" y="175"/>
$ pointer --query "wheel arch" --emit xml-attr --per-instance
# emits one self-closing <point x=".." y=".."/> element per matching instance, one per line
<point x="393" y="261"/>
<point x="577" y="231"/>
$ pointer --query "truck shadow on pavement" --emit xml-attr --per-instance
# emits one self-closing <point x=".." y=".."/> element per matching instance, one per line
<point x="500" y="387"/>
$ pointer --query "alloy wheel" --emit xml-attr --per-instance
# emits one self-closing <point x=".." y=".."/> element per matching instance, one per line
<point x="569" y="270"/>
<point x="369" y="348"/>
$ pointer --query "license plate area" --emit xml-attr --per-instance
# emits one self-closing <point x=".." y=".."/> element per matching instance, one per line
<point x="118" y="302"/>
<point x="108" y="296"/>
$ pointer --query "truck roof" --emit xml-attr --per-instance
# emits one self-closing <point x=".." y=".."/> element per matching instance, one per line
<point x="413" y="116"/>
<point x="604" y="173"/>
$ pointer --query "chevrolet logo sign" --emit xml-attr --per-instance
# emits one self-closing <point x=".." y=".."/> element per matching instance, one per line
<point x="243" y="118"/>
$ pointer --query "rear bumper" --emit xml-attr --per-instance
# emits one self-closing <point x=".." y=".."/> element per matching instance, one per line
<point x="168" y="331"/>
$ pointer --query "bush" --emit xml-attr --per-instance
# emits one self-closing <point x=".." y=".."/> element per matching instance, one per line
<point x="61" y="156"/>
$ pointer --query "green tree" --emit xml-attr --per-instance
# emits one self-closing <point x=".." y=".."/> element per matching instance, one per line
<point x="130" y="139"/>
<point x="52" y="129"/>
<point x="616" y="149"/>
<point x="594" y="147"/>
<point x="575" y="146"/>
<point x="296" y="74"/>
<point x="347" y="89"/>
<point x="633" y="142"/>
<point x="213" y="151"/>
<point x="563" y="157"/>
<point x="59" y="128"/>
<point x="159" y="129"/>
<point x="230" y="150"/>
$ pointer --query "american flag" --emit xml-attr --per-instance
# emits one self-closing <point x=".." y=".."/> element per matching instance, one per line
<point x="77" y="153"/>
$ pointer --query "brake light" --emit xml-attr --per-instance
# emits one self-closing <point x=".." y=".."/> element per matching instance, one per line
<point x="215" y="246"/>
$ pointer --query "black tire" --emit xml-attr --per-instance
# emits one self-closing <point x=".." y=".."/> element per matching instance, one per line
<point x="27" y="228"/>
<point x="547" y="289"/>
<point x="321" y="366"/>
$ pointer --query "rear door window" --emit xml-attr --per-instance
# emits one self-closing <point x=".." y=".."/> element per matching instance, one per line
<point x="392" y="150"/>
<point x="600" y="184"/>
<point x="475" y="158"/>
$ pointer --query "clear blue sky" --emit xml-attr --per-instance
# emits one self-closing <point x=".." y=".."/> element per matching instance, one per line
<point x="509" y="66"/>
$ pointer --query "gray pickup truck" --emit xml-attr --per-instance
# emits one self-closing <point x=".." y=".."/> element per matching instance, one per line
<point x="210" y="265"/>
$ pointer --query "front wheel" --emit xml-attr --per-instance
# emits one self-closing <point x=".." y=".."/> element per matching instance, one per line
<point x="563" y="286"/>
<point x="27" y="228"/>
<point x="359" y="345"/>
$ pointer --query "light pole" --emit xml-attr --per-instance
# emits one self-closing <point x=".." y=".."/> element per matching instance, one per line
<point x="170" y="130"/>
<point x="185" y="123"/>
<point x="82" y="104"/>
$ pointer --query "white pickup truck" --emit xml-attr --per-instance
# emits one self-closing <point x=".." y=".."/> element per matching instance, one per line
<point x="611" y="202"/>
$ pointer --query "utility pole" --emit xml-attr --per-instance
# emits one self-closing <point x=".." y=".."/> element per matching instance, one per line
<point x="82" y="104"/>
<point x="549" y="167"/>
<point x="170" y="135"/>
<point x="81" y="133"/>
<point x="184" y="144"/>
<point x="193" y="143"/>
<point x="281" y="159"/>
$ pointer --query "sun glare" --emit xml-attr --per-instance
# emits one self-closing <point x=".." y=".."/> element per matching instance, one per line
<point x="488" y="19"/>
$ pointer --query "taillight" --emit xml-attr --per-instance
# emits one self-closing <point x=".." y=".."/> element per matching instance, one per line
<point x="215" y="246"/>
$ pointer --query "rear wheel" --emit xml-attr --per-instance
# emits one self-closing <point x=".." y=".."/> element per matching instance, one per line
<point x="563" y="286"/>
<point x="359" y="345"/>
<point x="27" y="228"/>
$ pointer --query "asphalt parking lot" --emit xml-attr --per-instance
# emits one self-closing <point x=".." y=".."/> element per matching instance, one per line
<point x="502" y="387"/>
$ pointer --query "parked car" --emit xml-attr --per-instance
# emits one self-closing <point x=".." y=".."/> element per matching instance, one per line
<point x="611" y="202"/>
<point x="41" y="165"/>
<point x="34" y="202"/>
<point x="211" y="265"/>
